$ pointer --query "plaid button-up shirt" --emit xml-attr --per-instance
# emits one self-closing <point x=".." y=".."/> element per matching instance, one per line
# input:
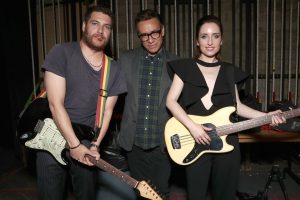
<point x="147" y="132"/>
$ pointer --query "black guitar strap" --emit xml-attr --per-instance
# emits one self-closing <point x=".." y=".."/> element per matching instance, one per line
<point x="231" y="79"/>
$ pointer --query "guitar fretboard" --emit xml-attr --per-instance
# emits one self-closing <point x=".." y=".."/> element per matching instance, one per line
<point x="114" y="171"/>
<point x="251" y="123"/>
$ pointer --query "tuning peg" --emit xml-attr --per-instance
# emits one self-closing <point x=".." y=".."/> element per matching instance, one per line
<point x="163" y="197"/>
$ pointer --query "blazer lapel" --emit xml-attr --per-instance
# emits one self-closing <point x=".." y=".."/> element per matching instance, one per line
<point x="165" y="80"/>
<point x="135" y="75"/>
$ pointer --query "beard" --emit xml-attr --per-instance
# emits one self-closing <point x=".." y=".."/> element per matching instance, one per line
<point x="88" y="40"/>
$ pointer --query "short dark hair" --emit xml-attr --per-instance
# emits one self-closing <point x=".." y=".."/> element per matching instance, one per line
<point x="98" y="8"/>
<point x="146" y="15"/>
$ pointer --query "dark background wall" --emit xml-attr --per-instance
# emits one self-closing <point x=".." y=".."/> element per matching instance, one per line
<point x="15" y="56"/>
<point x="16" y="67"/>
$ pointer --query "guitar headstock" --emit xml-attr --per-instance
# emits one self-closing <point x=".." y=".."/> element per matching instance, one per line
<point x="147" y="191"/>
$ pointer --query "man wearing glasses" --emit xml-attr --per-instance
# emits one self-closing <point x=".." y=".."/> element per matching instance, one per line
<point x="145" y="113"/>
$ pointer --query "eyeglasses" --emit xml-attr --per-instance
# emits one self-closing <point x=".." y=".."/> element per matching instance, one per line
<point x="145" y="36"/>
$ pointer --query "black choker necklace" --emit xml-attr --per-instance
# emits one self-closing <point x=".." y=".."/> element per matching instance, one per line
<point x="206" y="64"/>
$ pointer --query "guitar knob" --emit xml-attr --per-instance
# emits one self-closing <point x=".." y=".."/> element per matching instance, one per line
<point x="26" y="136"/>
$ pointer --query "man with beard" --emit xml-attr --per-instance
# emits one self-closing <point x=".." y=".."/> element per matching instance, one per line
<point x="72" y="79"/>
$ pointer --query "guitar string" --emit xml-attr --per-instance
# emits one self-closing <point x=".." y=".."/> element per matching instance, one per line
<point x="53" y="134"/>
<point x="187" y="138"/>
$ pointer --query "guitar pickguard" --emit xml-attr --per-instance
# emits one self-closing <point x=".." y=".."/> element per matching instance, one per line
<point x="48" y="138"/>
<point x="184" y="150"/>
<point x="216" y="144"/>
<point x="38" y="131"/>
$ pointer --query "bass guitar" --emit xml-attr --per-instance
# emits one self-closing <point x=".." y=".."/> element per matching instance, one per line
<point x="182" y="147"/>
<point x="45" y="136"/>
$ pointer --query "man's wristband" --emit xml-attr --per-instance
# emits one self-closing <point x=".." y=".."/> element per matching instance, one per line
<point x="75" y="146"/>
<point x="94" y="145"/>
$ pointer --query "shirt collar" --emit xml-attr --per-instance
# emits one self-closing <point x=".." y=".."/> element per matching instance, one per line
<point x="159" y="55"/>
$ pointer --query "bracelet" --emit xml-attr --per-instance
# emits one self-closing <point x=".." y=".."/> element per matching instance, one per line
<point x="75" y="146"/>
<point x="94" y="145"/>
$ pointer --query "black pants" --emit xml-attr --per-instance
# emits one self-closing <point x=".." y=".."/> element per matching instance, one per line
<point x="153" y="165"/>
<point x="52" y="178"/>
<point x="220" y="170"/>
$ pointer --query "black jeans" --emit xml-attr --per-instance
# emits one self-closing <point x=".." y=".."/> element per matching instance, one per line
<point x="52" y="179"/>
<point x="220" y="170"/>
<point x="151" y="165"/>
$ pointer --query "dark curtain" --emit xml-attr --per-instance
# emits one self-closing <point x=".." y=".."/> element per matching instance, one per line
<point x="16" y="68"/>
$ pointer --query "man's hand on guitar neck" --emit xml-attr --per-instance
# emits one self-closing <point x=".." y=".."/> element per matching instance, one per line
<point x="79" y="153"/>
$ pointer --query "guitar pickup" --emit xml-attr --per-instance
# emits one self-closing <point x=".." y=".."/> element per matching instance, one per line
<point x="175" y="141"/>
<point x="39" y="126"/>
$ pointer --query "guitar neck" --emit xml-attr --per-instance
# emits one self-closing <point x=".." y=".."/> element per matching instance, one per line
<point x="114" y="171"/>
<point x="248" y="124"/>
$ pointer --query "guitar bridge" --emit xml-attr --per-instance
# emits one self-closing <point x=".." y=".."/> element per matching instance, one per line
<point x="175" y="141"/>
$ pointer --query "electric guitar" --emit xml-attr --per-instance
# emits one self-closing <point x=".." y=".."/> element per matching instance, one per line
<point x="45" y="136"/>
<point x="182" y="147"/>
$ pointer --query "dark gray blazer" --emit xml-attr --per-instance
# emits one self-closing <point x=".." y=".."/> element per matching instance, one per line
<point x="129" y="62"/>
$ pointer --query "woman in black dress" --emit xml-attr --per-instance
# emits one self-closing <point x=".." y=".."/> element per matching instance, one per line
<point x="202" y="86"/>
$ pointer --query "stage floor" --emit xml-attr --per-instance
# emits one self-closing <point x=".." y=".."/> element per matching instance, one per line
<point x="19" y="183"/>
